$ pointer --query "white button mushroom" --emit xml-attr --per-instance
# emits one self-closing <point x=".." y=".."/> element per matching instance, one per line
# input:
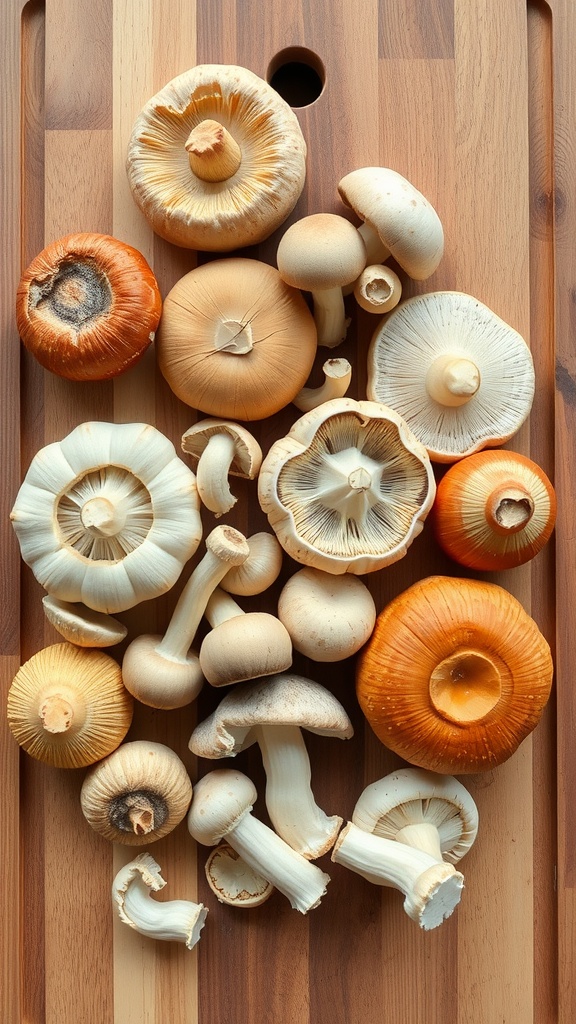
<point x="328" y="617"/>
<point x="241" y="645"/>
<point x="167" y="920"/>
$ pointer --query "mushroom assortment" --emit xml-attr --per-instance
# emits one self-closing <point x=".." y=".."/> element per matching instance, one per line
<point x="452" y="674"/>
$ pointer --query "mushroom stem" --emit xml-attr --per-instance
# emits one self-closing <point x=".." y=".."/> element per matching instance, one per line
<point x="431" y="889"/>
<point x="212" y="473"/>
<point x="422" y="835"/>
<point x="509" y="509"/>
<point x="452" y="380"/>
<point x="290" y="801"/>
<point x="169" y="920"/>
<point x="213" y="153"/>
<point x="139" y="812"/>
<point x="101" y="517"/>
<point x="330" y="316"/>
<point x="56" y="713"/>
<point x="221" y="607"/>
<point x="337" y="377"/>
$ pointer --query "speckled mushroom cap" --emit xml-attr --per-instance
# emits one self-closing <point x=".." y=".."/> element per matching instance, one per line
<point x="460" y="376"/>
<point x="284" y="699"/>
<point x="216" y="215"/>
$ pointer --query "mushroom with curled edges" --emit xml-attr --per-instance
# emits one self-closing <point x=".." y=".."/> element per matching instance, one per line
<point x="272" y="712"/>
<point x="219" y="448"/>
<point x="167" y="920"/>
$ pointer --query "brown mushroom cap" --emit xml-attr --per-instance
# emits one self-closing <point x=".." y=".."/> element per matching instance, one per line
<point x="455" y="675"/>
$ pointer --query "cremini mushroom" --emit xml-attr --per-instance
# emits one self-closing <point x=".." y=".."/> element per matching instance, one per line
<point x="455" y="675"/>
<point x="337" y="377"/>
<point x="272" y="712"/>
<point x="235" y="341"/>
<point x="87" y="307"/>
<point x="397" y="220"/>
<point x="328" y="617"/>
<point x="219" y="448"/>
<point x="320" y="254"/>
<point x="162" y="671"/>
<point x="494" y="510"/>
<point x="378" y="289"/>
<point x="221" y="809"/>
<point x="233" y="881"/>
<point x="166" y="920"/>
<point x="241" y="645"/>
<point x="260" y="570"/>
<point x="461" y="377"/>
<point x="108" y="516"/>
<point x="349" y="487"/>
<point x="137" y="794"/>
<point x="81" y="625"/>
<point x="68" y="707"/>
<point x="216" y="159"/>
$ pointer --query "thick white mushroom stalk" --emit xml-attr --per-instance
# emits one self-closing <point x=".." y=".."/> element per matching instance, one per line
<point x="168" y="920"/>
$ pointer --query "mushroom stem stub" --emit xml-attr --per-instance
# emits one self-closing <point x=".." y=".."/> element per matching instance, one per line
<point x="509" y="509"/>
<point x="138" y="812"/>
<point x="452" y="381"/>
<point x="100" y="517"/>
<point x="56" y="714"/>
<point x="213" y="153"/>
<point x="337" y="377"/>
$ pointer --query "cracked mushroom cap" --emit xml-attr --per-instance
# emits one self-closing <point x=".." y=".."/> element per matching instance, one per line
<point x="461" y="377"/>
<point x="216" y="160"/>
<point x="348" y="489"/>
<point x="284" y="699"/>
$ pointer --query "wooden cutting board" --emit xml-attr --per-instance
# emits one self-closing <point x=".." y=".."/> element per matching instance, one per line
<point x="473" y="101"/>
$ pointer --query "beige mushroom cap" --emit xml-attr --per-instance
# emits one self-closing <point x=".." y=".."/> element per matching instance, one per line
<point x="246" y="452"/>
<point x="262" y="183"/>
<point x="328" y="617"/>
<point x="320" y="251"/>
<point x="405" y="221"/>
<point x="82" y="625"/>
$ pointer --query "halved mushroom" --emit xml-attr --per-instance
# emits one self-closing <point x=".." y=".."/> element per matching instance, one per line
<point x="216" y="159"/>
<point x="348" y="489"/>
<point x="461" y="377"/>
<point x="219" y="448"/>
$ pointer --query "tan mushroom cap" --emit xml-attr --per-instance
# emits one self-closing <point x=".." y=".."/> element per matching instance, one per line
<point x="405" y="221"/>
<point x="284" y="699"/>
<point x="247" y="456"/>
<point x="320" y="251"/>
<point x="226" y="109"/>
<point x="328" y="617"/>
<point x="82" y="625"/>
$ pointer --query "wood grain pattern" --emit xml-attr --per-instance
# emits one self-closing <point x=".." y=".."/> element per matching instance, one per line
<point x="472" y="100"/>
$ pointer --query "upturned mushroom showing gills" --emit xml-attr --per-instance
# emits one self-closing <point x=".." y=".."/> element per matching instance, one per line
<point x="272" y="712"/>
<point x="68" y="706"/>
<point x="461" y="377"/>
<point x="108" y="516"/>
<point x="349" y="487"/>
<point x="494" y="510"/>
<point x="88" y="307"/>
<point x="166" y="920"/>
<point x="137" y="794"/>
<point x="216" y="160"/>
<point x="235" y="341"/>
<point x="455" y="675"/>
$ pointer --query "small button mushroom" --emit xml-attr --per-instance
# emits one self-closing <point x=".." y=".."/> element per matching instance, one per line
<point x="260" y="570"/>
<point x="67" y="706"/>
<point x="137" y="794"/>
<point x="272" y="713"/>
<point x="320" y="254"/>
<point x="219" y="448"/>
<point x="398" y="220"/>
<point x="461" y="377"/>
<point x="328" y="617"/>
<point x="241" y="645"/>
<point x="81" y="625"/>
<point x="233" y="881"/>
<point x="337" y="377"/>
<point x="378" y="289"/>
<point x="167" y="920"/>
<point x="162" y="671"/>
<point x="221" y="809"/>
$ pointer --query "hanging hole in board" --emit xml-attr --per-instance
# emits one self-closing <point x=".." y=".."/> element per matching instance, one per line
<point x="298" y="75"/>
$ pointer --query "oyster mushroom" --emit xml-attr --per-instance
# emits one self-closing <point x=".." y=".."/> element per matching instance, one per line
<point x="461" y="377"/>
<point x="108" y="516"/>
<point x="167" y="920"/>
<point x="216" y="159"/>
<point x="348" y="489"/>
<point x="219" y="448"/>
<point x="81" y="625"/>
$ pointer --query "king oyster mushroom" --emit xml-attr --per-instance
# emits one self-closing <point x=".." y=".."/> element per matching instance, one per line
<point x="348" y="489"/>
<point x="167" y="920"/>
<point x="216" y="159"/>
<point x="108" y="516"/>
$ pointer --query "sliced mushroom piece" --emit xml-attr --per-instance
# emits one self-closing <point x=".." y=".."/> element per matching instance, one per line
<point x="260" y="570"/>
<point x="272" y="712"/>
<point x="348" y="489"/>
<point x="216" y="159"/>
<point x="167" y="920"/>
<point x="398" y="220"/>
<point x="233" y="881"/>
<point x="328" y="617"/>
<point x="461" y="377"/>
<point x="337" y="377"/>
<point x="81" y="625"/>
<point x="320" y="254"/>
<point x="241" y="645"/>
<point x="219" y="448"/>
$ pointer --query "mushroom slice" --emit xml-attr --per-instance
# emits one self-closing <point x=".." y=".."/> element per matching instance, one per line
<point x="217" y="159"/>
<point x="219" y="448"/>
<point x="137" y="794"/>
<point x="168" y="920"/>
<point x="378" y="289"/>
<point x="235" y="341"/>
<point x="81" y="625"/>
<point x="430" y="812"/>
<point x="461" y="377"/>
<point x="233" y="881"/>
<point x="398" y="220"/>
<point x="348" y="489"/>
<point x="68" y="707"/>
<point x="108" y="516"/>
<point x="454" y="676"/>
